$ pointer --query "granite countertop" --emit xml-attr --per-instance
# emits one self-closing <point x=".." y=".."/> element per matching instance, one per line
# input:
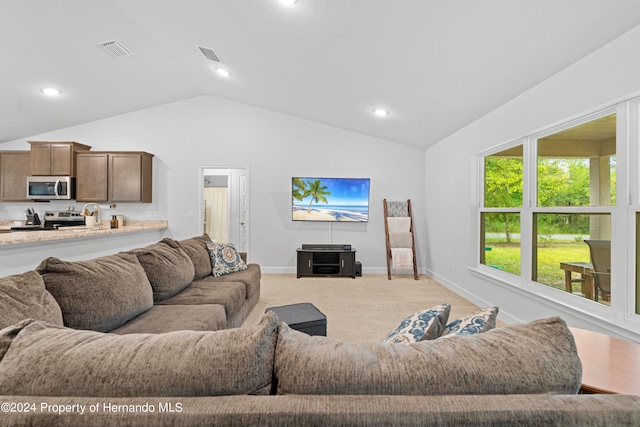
<point x="130" y="226"/>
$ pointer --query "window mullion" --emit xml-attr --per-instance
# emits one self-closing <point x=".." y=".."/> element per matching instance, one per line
<point x="528" y="202"/>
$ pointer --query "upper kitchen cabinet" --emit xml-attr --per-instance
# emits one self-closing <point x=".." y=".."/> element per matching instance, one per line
<point x="114" y="176"/>
<point x="14" y="170"/>
<point x="92" y="172"/>
<point x="54" y="158"/>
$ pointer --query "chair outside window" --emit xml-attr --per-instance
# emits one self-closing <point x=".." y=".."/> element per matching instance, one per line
<point x="600" y="251"/>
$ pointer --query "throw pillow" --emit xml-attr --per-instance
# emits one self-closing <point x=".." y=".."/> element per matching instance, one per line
<point x="46" y="360"/>
<point x="99" y="294"/>
<point x="422" y="325"/>
<point x="475" y="323"/>
<point x="225" y="259"/>
<point x="24" y="296"/>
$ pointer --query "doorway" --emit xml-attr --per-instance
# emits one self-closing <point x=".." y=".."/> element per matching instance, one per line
<point x="225" y="202"/>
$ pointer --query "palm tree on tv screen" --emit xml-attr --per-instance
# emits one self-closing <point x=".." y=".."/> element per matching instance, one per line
<point x="317" y="191"/>
<point x="299" y="188"/>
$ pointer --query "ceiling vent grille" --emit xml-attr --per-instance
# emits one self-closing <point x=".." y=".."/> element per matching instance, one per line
<point x="116" y="49"/>
<point x="209" y="54"/>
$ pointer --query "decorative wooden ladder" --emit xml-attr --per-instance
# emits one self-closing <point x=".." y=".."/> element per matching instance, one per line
<point x="399" y="234"/>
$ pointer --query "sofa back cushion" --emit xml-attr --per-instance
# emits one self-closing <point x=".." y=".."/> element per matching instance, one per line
<point x="24" y="296"/>
<point x="99" y="294"/>
<point x="45" y="360"/>
<point x="168" y="267"/>
<point x="196" y="249"/>
<point x="539" y="357"/>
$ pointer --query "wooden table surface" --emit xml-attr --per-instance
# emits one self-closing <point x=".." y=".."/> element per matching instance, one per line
<point x="586" y="277"/>
<point x="609" y="364"/>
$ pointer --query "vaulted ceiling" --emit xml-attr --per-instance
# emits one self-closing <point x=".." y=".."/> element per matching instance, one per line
<point x="435" y="65"/>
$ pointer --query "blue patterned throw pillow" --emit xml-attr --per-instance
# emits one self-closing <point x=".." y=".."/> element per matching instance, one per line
<point x="225" y="259"/>
<point x="475" y="323"/>
<point x="422" y="325"/>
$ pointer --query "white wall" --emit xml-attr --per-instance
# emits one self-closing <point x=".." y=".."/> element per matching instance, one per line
<point x="209" y="131"/>
<point x="601" y="78"/>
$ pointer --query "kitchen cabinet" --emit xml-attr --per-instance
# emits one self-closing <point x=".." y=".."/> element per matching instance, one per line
<point x="54" y="158"/>
<point x="114" y="176"/>
<point x="91" y="177"/>
<point x="14" y="170"/>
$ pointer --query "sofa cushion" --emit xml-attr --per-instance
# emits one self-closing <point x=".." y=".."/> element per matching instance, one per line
<point x="422" y="325"/>
<point x="170" y="318"/>
<point x="46" y="360"/>
<point x="168" y="267"/>
<point x="8" y="334"/>
<point x="225" y="258"/>
<point x="539" y="357"/>
<point x="250" y="277"/>
<point x="196" y="249"/>
<point x="229" y="294"/>
<point x="475" y="323"/>
<point x="98" y="294"/>
<point x="24" y="296"/>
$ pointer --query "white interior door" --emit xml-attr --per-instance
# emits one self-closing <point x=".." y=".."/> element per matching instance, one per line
<point x="226" y="205"/>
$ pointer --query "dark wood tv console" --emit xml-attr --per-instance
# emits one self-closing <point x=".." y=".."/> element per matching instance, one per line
<point x="326" y="260"/>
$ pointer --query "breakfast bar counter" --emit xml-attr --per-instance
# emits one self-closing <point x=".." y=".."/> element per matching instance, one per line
<point x="66" y="233"/>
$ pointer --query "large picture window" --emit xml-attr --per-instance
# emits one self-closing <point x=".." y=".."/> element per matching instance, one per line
<point x="552" y="225"/>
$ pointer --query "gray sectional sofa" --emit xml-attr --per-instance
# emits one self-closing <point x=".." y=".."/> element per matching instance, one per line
<point x="151" y="337"/>
<point x="167" y="286"/>
<point x="270" y="375"/>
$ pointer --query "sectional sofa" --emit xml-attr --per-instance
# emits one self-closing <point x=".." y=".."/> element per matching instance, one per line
<point x="167" y="286"/>
<point x="270" y="375"/>
<point x="141" y="338"/>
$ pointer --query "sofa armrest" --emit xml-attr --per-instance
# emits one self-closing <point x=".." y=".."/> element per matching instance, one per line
<point x="243" y="255"/>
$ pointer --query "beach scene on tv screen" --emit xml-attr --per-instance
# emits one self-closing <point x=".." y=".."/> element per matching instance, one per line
<point x="330" y="199"/>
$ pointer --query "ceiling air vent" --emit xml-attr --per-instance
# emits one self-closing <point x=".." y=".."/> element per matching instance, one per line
<point x="116" y="49"/>
<point x="209" y="54"/>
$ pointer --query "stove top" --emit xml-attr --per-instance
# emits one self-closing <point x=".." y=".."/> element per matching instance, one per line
<point x="53" y="220"/>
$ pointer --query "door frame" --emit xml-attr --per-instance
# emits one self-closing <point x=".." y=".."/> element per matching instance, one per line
<point x="236" y="196"/>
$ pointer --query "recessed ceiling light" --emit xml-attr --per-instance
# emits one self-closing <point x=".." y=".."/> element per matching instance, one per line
<point x="380" y="112"/>
<point x="51" y="91"/>
<point x="223" y="72"/>
<point x="288" y="2"/>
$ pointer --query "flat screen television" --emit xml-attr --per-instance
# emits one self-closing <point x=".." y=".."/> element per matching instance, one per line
<point x="330" y="199"/>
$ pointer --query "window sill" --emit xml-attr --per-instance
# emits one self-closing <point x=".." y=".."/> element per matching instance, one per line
<point x="597" y="315"/>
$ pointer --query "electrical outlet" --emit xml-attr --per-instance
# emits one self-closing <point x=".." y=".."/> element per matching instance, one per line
<point x="191" y="214"/>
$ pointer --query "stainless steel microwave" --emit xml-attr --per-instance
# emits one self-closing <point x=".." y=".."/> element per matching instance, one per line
<point x="51" y="188"/>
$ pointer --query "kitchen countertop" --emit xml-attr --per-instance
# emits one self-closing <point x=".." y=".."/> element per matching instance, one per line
<point x="22" y="237"/>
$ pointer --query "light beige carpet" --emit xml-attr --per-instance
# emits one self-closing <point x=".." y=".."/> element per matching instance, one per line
<point x="361" y="309"/>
